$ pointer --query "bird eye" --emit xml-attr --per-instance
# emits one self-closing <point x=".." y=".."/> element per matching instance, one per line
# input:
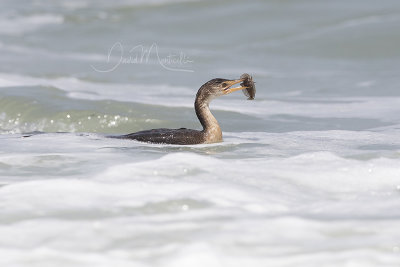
<point x="224" y="84"/>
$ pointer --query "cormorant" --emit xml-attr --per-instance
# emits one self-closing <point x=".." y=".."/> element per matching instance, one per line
<point x="211" y="132"/>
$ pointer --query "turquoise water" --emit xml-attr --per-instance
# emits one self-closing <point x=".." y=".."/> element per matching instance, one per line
<point x="308" y="173"/>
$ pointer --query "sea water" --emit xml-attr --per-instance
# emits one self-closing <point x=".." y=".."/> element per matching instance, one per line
<point x="308" y="173"/>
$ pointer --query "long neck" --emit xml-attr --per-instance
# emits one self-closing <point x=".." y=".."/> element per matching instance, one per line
<point x="212" y="131"/>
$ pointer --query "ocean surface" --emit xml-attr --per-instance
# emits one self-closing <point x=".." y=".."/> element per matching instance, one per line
<point x="308" y="173"/>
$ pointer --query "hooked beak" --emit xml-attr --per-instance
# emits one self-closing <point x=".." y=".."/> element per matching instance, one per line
<point x="230" y="83"/>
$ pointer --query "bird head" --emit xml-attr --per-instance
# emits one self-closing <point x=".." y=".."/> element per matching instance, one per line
<point x="218" y="87"/>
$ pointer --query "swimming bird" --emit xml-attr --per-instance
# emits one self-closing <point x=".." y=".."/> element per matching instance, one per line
<point x="211" y="132"/>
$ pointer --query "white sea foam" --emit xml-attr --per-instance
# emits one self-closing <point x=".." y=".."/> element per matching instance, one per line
<point x="274" y="203"/>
